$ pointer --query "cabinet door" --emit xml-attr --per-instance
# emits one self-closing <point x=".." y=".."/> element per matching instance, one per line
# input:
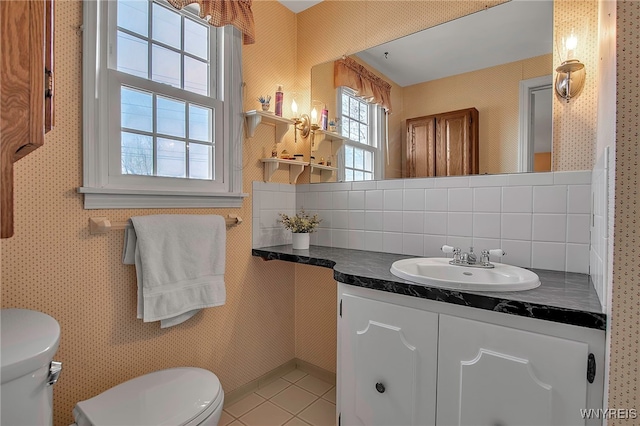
<point x="420" y="147"/>
<point x="493" y="375"/>
<point x="386" y="364"/>
<point x="457" y="143"/>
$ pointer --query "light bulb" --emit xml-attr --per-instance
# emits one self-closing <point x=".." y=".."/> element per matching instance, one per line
<point x="571" y="43"/>
<point x="314" y="116"/>
<point x="294" y="108"/>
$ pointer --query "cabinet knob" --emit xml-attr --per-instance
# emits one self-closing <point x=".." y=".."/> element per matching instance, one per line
<point x="380" y="387"/>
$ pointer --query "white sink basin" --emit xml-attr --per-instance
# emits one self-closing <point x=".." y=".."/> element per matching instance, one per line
<point x="437" y="272"/>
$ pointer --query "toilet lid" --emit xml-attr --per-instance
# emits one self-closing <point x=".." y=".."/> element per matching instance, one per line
<point x="166" y="397"/>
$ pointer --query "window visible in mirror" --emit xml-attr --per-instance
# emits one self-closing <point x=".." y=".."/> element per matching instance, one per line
<point x="362" y="125"/>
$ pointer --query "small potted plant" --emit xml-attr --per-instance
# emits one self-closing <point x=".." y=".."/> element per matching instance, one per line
<point x="300" y="225"/>
<point x="264" y="100"/>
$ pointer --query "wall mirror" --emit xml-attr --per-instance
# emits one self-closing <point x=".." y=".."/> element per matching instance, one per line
<point x="498" y="62"/>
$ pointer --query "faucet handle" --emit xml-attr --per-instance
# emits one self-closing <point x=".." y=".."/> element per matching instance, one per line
<point x="496" y="252"/>
<point x="449" y="249"/>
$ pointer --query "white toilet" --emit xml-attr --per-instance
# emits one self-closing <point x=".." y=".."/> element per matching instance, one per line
<point x="184" y="396"/>
<point x="28" y="341"/>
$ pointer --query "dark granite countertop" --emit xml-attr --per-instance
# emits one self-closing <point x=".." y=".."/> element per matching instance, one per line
<point x="562" y="297"/>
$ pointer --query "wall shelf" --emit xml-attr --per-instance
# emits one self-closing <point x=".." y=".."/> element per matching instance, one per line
<point x="325" y="172"/>
<point x="254" y="118"/>
<point x="272" y="164"/>
<point x="324" y="135"/>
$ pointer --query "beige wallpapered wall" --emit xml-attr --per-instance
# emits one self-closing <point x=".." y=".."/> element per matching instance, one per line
<point x="53" y="265"/>
<point x="495" y="93"/>
<point x="624" y="382"/>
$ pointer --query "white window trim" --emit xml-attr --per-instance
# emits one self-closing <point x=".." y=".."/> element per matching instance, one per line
<point x="97" y="193"/>
<point x="377" y="118"/>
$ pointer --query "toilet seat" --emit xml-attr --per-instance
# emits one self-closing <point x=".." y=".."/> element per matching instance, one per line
<point x="183" y="396"/>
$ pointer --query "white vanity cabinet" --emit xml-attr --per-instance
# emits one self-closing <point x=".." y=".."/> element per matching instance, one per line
<point x="470" y="366"/>
<point x="387" y="362"/>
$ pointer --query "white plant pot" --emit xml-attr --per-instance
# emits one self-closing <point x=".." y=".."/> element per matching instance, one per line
<point x="300" y="240"/>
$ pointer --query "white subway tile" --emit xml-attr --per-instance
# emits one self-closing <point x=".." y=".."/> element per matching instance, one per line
<point x="363" y="185"/>
<point x="325" y="200"/>
<point x="340" y="219"/>
<point x="269" y="218"/>
<point x="517" y="199"/>
<point x="286" y="187"/>
<point x="480" y="244"/>
<point x="356" y="240"/>
<point x="301" y="188"/>
<point x="518" y="253"/>
<point x="578" y="228"/>
<point x="461" y="200"/>
<point x="579" y="199"/>
<point x="573" y="177"/>
<point x="436" y="200"/>
<point x="340" y="200"/>
<point x="393" y="199"/>
<point x="356" y="219"/>
<point x="390" y="184"/>
<point x="462" y="242"/>
<point x="578" y="258"/>
<point x="548" y="256"/>
<point x="392" y="221"/>
<point x="373" y="241"/>
<point x="392" y="242"/>
<point x="435" y="223"/>
<point x="550" y="199"/>
<point x="452" y="182"/>
<point x="460" y="224"/>
<point x="413" y="222"/>
<point x="373" y="220"/>
<point x="374" y="200"/>
<point x="413" y="199"/>
<point x="486" y="225"/>
<point x="549" y="227"/>
<point x="340" y="238"/>
<point x="356" y="200"/>
<point x="420" y="183"/>
<point x="488" y="180"/>
<point x="520" y="179"/>
<point x="324" y="237"/>
<point x="433" y="244"/>
<point x="516" y="226"/>
<point x="413" y="244"/>
<point x="487" y="199"/>
<point x="326" y="216"/>
<point x="310" y="201"/>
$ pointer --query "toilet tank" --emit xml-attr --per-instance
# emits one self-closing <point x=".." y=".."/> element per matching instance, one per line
<point x="28" y="342"/>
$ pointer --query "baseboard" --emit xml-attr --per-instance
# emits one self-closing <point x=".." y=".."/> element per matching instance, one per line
<point x="313" y="370"/>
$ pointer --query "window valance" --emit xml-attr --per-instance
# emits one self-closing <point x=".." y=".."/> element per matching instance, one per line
<point x="225" y="12"/>
<point x="348" y="72"/>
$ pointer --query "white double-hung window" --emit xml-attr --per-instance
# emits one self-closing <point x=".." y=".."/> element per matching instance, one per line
<point x="162" y="107"/>
<point x="363" y="124"/>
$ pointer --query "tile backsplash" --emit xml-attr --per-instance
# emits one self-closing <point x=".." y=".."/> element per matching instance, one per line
<point x="541" y="220"/>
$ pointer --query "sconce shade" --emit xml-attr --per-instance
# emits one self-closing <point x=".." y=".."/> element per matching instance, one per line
<point x="570" y="79"/>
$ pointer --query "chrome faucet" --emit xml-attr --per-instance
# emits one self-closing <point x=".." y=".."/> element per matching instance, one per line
<point x="469" y="259"/>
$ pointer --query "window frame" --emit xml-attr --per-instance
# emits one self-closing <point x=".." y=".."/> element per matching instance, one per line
<point x="376" y="134"/>
<point x="102" y="191"/>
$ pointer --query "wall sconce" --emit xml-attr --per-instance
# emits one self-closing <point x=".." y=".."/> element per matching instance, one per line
<point x="301" y="123"/>
<point x="571" y="73"/>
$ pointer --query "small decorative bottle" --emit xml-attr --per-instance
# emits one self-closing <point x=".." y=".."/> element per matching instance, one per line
<point x="274" y="151"/>
<point x="279" y="100"/>
<point x="324" y="120"/>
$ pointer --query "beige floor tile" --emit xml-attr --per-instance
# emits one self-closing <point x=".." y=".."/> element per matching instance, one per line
<point x="294" y="376"/>
<point x="225" y="419"/>
<point x="266" y="414"/>
<point x="294" y="399"/>
<point x="236" y="423"/>
<point x="320" y="413"/>
<point x="330" y="395"/>
<point x="246" y="404"/>
<point x="296" y="422"/>
<point x="273" y="388"/>
<point x="313" y="385"/>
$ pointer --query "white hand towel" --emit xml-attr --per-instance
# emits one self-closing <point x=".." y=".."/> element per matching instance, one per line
<point x="180" y="261"/>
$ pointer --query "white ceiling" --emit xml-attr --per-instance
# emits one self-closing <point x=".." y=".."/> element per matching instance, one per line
<point x="506" y="33"/>
<point x="297" y="6"/>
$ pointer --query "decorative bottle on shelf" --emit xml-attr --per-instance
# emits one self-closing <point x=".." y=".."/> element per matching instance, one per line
<point x="324" y="121"/>
<point x="279" y="100"/>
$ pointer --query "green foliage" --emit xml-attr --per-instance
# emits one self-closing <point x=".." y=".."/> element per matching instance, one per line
<point x="302" y="222"/>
